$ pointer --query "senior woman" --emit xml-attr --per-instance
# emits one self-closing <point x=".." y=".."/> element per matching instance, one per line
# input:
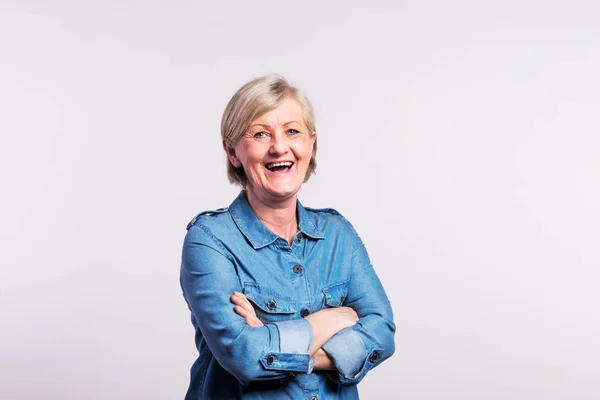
<point x="284" y="300"/>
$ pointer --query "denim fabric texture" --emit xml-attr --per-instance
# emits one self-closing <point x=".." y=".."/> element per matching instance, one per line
<point x="327" y="265"/>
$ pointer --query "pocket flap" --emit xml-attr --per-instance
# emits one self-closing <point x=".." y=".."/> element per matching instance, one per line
<point x="269" y="301"/>
<point x="335" y="295"/>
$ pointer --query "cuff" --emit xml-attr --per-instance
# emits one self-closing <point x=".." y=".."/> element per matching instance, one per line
<point x="295" y="341"/>
<point x="301" y="363"/>
<point x="347" y="352"/>
<point x="295" y="336"/>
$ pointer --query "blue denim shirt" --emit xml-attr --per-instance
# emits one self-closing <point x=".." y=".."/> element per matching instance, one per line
<point x="327" y="265"/>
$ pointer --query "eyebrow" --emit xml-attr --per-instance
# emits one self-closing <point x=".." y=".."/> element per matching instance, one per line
<point x="269" y="126"/>
<point x="263" y="125"/>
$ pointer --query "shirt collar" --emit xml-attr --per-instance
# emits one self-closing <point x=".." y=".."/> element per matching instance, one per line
<point x="257" y="233"/>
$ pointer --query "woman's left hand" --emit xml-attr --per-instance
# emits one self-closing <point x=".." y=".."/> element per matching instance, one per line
<point x="244" y="309"/>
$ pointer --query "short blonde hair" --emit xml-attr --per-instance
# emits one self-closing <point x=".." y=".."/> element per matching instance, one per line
<point x="251" y="101"/>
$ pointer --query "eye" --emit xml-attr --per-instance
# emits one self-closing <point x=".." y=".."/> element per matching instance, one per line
<point x="260" y="135"/>
<point x="293" y="131"/>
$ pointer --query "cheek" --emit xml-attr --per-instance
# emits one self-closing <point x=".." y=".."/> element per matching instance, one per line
<point x="248" y="154"/>
<point x="308" y="151"/>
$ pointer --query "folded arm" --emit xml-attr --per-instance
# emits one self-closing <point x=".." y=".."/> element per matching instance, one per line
<point x="357" y="349"/>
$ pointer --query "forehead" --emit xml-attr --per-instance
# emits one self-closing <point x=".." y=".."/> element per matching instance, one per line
<point x="289" y="110"/>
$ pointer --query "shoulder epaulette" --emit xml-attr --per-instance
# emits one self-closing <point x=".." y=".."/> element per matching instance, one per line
<point x="208" y="213"/>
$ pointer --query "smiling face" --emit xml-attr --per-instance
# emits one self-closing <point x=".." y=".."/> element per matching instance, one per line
<point x="275" y="152"/>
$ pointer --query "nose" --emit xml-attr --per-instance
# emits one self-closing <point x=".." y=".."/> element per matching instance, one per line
<point x="279" y="144"/>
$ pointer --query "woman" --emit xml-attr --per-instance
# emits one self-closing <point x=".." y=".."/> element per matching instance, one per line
<point x="284" y="300"/>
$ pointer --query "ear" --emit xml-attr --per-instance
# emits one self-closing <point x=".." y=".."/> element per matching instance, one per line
<point x="230" y="151"/>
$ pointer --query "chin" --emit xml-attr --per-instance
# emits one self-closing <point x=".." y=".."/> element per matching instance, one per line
<point x="284" y="192"/>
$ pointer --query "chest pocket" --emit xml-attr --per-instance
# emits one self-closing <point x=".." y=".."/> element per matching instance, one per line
<point x="269" y="305"/>
<point x="335" y="295"/>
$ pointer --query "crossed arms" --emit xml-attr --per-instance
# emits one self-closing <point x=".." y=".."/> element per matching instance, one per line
<point x="324" y="323"/>
<point x="351" y="339"/>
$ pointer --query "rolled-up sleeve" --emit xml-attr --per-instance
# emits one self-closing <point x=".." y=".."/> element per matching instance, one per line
<point x="208" y="279"/>
<point x="293" y="355"/>
<point x="356" y="350"/>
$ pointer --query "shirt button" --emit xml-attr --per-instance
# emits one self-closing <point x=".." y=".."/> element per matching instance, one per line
<point x="374" y="357"/>
<point x="270" y="360"/>
<point x="314" y="398"/>
<point x="342" y="299"/>
<point x="271" y="305"/>
<point x="304" y="312"/>
<point x="297" y="268"/>
<point x="300" y="236"/>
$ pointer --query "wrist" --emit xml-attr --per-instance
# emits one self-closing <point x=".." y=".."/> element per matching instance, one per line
<point x="322" y="361"/>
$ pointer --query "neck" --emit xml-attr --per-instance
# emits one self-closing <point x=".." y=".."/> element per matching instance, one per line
<point x="279" y="215"/>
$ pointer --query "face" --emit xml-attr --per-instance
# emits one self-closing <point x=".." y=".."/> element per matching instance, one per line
<point x="275" y="152"/>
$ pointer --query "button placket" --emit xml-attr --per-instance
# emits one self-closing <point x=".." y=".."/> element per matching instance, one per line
<point x="298" y="277"/>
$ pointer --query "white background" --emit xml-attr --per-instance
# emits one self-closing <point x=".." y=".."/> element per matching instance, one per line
<point x="460" y="138"/>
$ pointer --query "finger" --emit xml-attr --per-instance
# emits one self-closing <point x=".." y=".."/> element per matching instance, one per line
<point x="250" y="316"/>
<point x="240" y="300"/>
<point x="247" y="305"/>
<point x="243" y="301"/>
<point x="239" y="296"/>
<point x="253" y="322"/>
<point x="242" y="312"/>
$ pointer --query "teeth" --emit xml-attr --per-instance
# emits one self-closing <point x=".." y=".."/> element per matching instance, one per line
<point x="280" y="164"/>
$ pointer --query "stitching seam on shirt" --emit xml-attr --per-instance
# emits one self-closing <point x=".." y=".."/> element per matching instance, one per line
<point x="261" y="290"/>
<point x="335" y="285"/>
<point x="217" y="242"/>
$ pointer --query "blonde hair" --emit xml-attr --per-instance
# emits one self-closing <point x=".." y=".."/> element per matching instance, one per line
<point x="251" y="101"/>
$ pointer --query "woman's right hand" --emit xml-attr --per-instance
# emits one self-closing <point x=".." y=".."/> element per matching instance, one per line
<point x="244" y="309"/>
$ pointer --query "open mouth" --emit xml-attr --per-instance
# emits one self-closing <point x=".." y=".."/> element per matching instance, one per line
<point x="282" y="166"/>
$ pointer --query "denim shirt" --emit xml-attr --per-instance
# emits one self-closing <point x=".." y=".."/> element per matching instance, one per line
<point x="327" y="265"/>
